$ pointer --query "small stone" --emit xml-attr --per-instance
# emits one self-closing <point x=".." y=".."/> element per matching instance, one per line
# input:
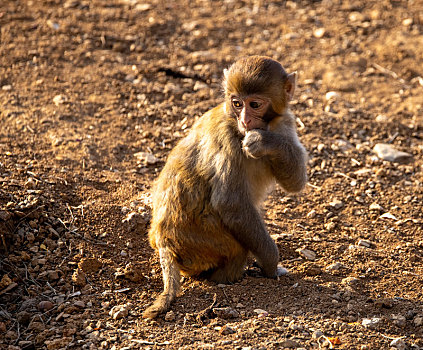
<point x="261" y="312"/>
<point x="59" y="99"/>
<point x="388" y="216"/>
<point x="399" y="344"/>
<point x="58" y="343"/>
<point x="330" y="226"/>
<point x="350" y="281"/>
<point x="79" y="303"/>
<point x="387" y="152"/>
<point x="120" y="311"/>
<point x="370" y="322"/>
<point x="418" y="321"/>
<point x="364" y="243"/>
<point x="399" y="320"/>
<point x="307" y="253"/>
<point x="336" y="204"/>
<point x="78" y="278"/>
<point x="90" y="265"/>
<point x="375" y="207"/>
<point x="146" y="158"/>
<point x="317" y="334"/>
<point x="335" y="266"/>
<point x="52" y="275"/>
<point x="319" y="33"/>
<point x="170" y="316"/>
<point x="123" y="253"/>
<point x="6" y="87"/>
<point x="5" y="215"/>
<point x="45" y="305"/>
<point x="386" y="303"/>
<point x="134" y="221"/>
<point x="225" y="330"/>
<point x="225" y="312"/>
<point x="312" y="214"/>
<point x="289" y="343"/>
<point x="331" y="95"/>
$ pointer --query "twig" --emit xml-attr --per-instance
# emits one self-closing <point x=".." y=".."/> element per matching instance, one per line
<point x="388" y="72"/>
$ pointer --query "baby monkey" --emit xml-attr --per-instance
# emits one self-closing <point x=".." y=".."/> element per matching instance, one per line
<point x="206" y="201"/>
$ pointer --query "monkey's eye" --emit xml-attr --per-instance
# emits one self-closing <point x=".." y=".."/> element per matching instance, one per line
<point x="237" y="103"/>
<point x="255" y="104"/>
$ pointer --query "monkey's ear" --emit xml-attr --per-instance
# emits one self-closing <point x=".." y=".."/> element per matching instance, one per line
<point x="290" y="84"/>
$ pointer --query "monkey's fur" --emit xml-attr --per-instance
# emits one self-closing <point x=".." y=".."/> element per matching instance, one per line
<point x="206" y="202"/>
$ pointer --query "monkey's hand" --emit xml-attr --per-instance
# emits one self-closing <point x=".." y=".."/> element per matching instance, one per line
<point x="253" y="144"/>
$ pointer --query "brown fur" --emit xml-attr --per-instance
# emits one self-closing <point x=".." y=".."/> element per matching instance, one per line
<point x="206" y="201"/>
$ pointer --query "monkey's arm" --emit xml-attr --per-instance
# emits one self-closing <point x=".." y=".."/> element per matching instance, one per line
<point x="241" y="218"/>
<point x="286" y="155"/>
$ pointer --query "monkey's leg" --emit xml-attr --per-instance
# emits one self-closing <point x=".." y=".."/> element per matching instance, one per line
<point x="232" y="270"/>
<point x="171" y="281"/>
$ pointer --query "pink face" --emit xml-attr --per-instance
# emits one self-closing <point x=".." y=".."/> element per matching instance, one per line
<point x="250" y="111"/>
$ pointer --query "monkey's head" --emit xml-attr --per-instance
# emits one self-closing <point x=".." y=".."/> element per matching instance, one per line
<point x="257" y="90"/>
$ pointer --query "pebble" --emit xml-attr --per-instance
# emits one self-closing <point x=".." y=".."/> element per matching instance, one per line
<point x="350" y="281"/>
<point x="375" y="207"/>
<point x="319" y="33"/>
<point x="289" y="343"/>
<point x="418" y="321"/>
<point x="170" y="316"/>
<point x="330" y="226"/>
<point x="335" y="266"/>
<point x="307" y="253"/>
<point x="225" y="312"/>
<point x="312" y="214"/>
<point x="370" y="322"/>
<point x="387" y="152"/>
<point x="364" y="243"/>
<point x="261" y="312"/>
<point x="225" y="330"/>
<point x="399" y="344"/>
<point x="120" y="311"/>
<point x="59" y="99"/>
<point x="45" y="305"/>
<point x="336" y="204"/>
<point x="146" y="158"/>
<point x="79" y="303"/>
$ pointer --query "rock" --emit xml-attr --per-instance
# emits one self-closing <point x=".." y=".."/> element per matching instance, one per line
<point x="399" y="344"/>
<point x="59" y="99"/>
<point x="399" y="320"/>
<point x="26" y="345"/>
<point x="312" y="214"/>
<point x="330" y="226"/>
<point x="78" y="278"/>
<point x="133" y="272"/>
<point x="89" y="265"/>
<point x="23" y="317"/>
<point x="386" y="303"/>
<point x="387" y="152"/>
<point x="5" y="282"/>
<point x="306" y="253"/>
<point x="336" y="204"/>
<point x="261" y="312"/>
<point x="120" y="311"/>
<point x="317" y="334"/>
<point x="45" y="305"/>
<point x="134" y="221"/>
<point x="146" y="158"/>
<point x="5" y="215"/>
<point x="371" y="322"/>
<point x="225" y="312"/>
<point x="225" y="330"/>
<point x="312" y="270"/>
<point x="58" y="343"/>
<point x="319" y="33"/>
<point x="375" y="207"/>
<point x="79" y="303"/>
<point x="418" y="321"/>
<point x="364" y="243"/>
<point x="335" y="266"/>
<point x="350" y="281"/>
<point x="170" y="316"/>
<point x="289" y="343"/>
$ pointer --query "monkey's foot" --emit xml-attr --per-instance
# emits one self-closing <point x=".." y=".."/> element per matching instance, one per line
<point x="281" y="271"/>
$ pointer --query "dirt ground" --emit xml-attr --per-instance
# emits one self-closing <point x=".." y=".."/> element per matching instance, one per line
<point x="94" y="95"/>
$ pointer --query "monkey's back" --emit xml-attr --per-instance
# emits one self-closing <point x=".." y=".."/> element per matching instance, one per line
<point x="184" y="219"/>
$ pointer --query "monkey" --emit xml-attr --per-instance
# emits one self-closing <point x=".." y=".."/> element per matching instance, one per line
<point x="206" y="201"/>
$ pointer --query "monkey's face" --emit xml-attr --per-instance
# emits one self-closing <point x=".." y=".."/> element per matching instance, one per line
<point x="250" y="111"/>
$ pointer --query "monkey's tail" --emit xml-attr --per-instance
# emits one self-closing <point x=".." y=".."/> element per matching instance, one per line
<point x="171" y="281"/>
